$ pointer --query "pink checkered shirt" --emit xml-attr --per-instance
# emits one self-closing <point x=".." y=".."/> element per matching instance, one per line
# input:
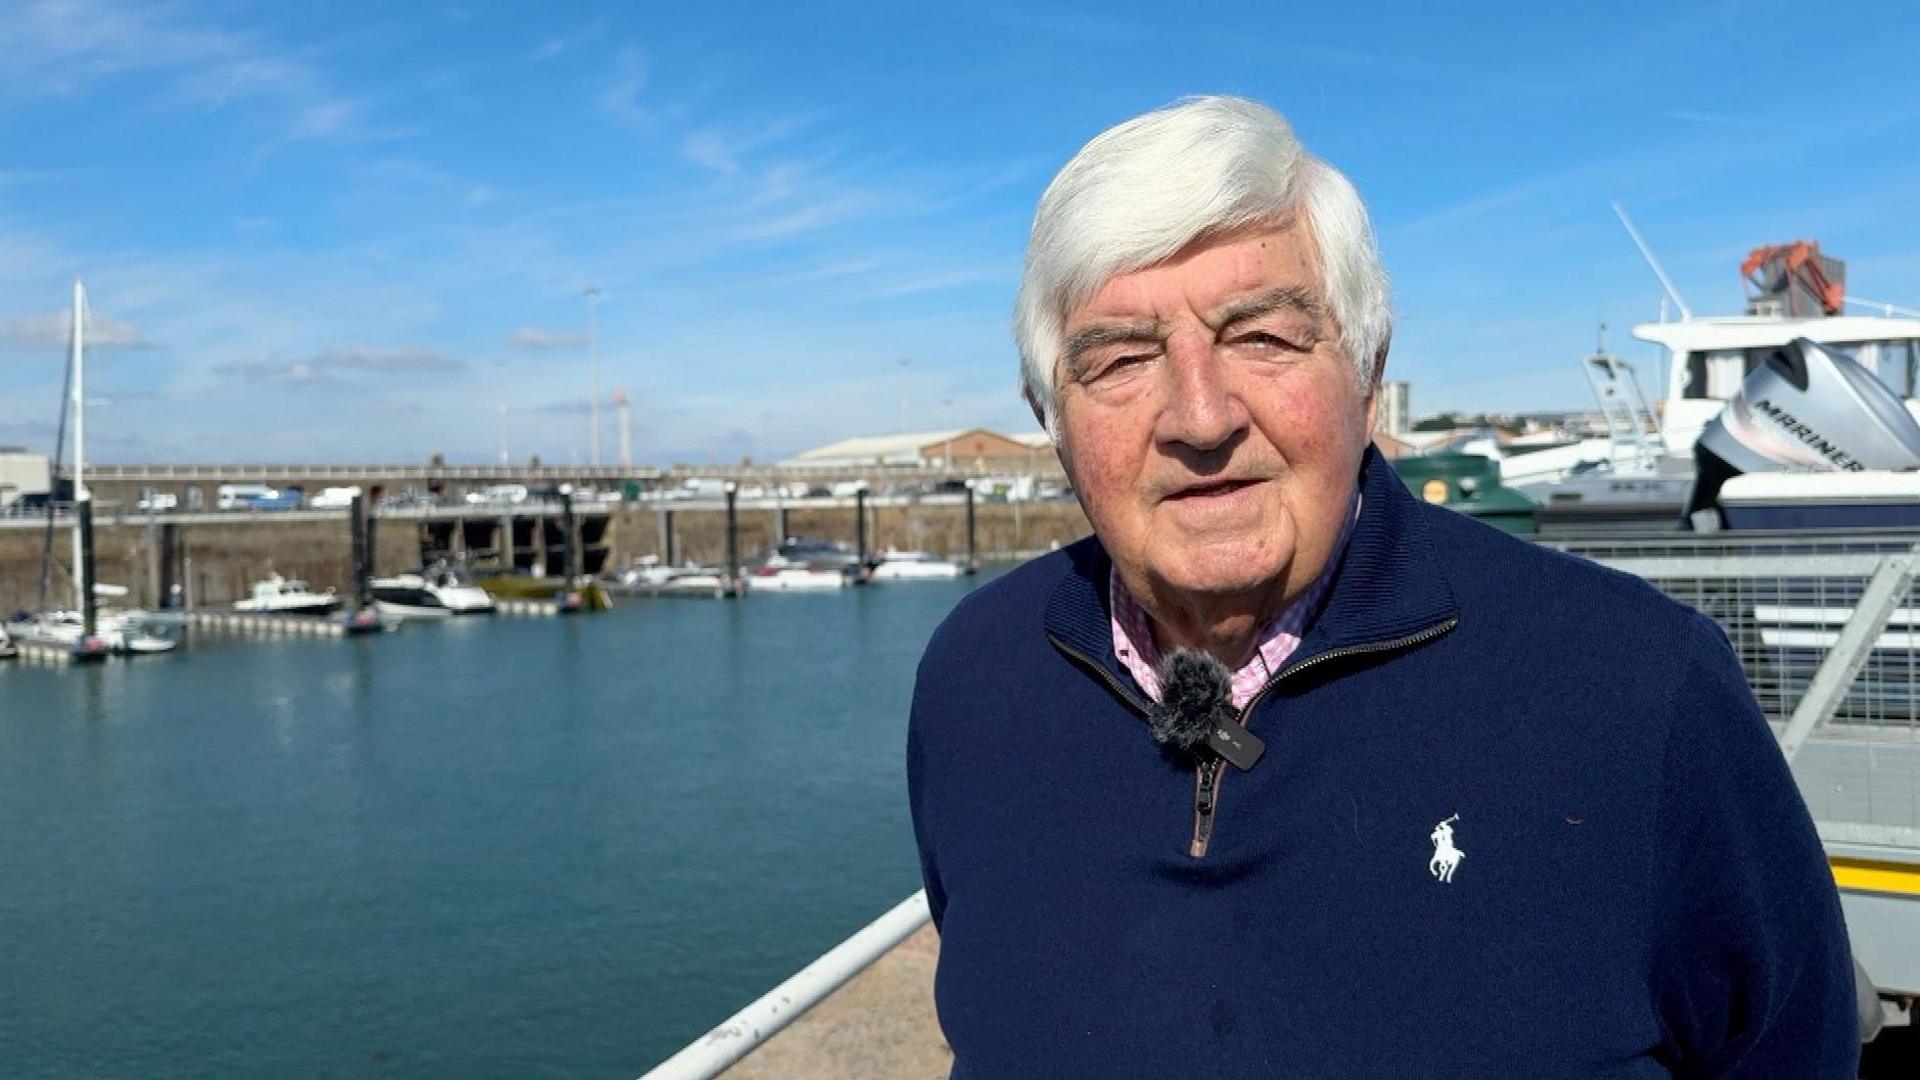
<point x="1133" y="631"/>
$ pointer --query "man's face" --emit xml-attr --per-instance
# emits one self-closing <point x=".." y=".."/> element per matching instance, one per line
<point x="1210" y="420"/>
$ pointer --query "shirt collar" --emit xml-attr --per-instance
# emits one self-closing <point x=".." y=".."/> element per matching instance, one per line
<point x="1132" y="627"/>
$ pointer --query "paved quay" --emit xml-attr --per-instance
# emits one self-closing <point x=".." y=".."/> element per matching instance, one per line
<point x="879" y="1025"/>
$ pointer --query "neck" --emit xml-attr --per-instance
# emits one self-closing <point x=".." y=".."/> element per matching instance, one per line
<point x="1226" y="627"/>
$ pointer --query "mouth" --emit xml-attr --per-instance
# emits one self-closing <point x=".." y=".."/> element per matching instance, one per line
<point x="1208" y="490"/>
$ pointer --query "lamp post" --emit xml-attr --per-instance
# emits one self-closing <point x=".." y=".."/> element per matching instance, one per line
<point x="592" y="293"/>
<point x="904" y="361"/>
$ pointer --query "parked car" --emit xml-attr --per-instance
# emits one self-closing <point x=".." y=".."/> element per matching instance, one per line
<point x="498" y="493"/>
<point x="410" y="499"/>
<point x="334" y="498"/>
<point x="158" y="501"/>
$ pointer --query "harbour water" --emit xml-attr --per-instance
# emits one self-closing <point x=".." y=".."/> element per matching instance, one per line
<point x="497" y="847"/>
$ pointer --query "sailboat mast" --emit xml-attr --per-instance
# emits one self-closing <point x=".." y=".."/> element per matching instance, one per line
<point x="77" y="405"/>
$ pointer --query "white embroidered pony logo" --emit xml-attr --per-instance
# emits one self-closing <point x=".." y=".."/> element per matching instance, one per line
<point x="1446" y="857"/>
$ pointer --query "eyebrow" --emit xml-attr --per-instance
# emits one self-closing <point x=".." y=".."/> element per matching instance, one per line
<point x="1285" y="298"/>
<point x="1086" y="339"/>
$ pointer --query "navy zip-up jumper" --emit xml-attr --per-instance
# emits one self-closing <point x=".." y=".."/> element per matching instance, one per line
<point x="1640" y="891"/>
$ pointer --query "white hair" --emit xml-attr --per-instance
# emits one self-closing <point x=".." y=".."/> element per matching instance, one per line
<point x="1144" y="190"/>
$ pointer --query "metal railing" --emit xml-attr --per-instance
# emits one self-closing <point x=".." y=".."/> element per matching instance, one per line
<point x="745" y="1030"/>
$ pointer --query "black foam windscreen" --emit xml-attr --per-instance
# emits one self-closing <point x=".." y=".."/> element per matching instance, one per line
<point x="1196" y="699"/>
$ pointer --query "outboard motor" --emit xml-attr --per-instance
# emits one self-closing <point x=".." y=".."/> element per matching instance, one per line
<point x="1808" y="408"/>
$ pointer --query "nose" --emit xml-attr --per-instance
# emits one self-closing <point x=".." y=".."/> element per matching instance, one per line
<point x="1203" y="411"/>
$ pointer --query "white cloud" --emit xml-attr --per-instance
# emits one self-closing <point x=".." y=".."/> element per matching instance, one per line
<point x="329" y="366"/>
<point x="52" y="329"/>
<point x="619" y="95"/>
<point x="528" y="337"/>
<point x="558" y="45"/>
<point x="722" y="150"/>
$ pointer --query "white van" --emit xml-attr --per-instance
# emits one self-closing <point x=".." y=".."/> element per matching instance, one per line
<point x="333" y="498"/>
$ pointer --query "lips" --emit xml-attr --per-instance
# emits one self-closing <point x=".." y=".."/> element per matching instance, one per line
<point x="1211" y="489"/>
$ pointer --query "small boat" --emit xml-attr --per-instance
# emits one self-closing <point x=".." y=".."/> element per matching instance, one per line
<point x="796" y="578"/>
<point x="115" y="632"/>
<point x="284" y="596"/>
<point x="582" y="595"/>
<point x="1827" y="501"/>
<point x="436" y="592"/>
<point x="913" y="566"/>
<point x="647" y="577"/>
<point x="820" y="554"/>
<point x="7" y="651"/>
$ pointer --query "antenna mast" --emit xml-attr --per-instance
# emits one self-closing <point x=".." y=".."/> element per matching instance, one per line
<point x="1647" y="254"/>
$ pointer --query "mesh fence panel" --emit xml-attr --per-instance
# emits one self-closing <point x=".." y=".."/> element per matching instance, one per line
<point x="1783" y="600"/>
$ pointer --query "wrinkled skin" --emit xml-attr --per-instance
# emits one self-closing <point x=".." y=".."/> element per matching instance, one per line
<point x="1213" y="428"/>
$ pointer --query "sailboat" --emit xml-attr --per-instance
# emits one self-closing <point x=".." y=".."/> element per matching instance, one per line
<point x="85" y="631"/>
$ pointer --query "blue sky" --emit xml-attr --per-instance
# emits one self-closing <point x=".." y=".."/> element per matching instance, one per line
<point x="352" y="231"/>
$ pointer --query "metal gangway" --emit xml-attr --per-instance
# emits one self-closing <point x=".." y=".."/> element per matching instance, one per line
<point x="1827" y="629"/>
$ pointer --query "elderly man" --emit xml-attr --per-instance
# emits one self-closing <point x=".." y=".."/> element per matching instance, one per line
<point x="1283" y="773"/>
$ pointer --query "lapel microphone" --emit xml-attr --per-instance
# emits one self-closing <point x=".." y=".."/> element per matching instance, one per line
<point x="1196" y="714"/>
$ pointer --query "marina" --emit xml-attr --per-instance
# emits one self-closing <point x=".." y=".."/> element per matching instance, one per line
<point x="605" y="832"/>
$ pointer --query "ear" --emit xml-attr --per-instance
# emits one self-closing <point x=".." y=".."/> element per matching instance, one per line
<point x="1373" y="387"/>
<point x="1039" y="414"/>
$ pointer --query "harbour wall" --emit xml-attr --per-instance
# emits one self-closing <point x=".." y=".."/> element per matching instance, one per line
<point x="220" y="555"/>
<point x="1000" y="529"/>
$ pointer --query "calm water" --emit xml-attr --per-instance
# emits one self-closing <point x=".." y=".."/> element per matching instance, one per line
<point x="506" y="847"/>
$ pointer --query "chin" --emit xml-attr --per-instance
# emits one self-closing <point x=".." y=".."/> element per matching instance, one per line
<point x="1224" y="570"/>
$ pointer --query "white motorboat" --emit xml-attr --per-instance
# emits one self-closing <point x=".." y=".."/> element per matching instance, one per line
<point x="913" y="566"/>
<point x="795" y="578"/>
<point x="437" y="592"/>
<point x="650" y="577"/>
<point x="1794" y="386"/>
<point x="284" y="596"/>
<point x="820" y="554"/>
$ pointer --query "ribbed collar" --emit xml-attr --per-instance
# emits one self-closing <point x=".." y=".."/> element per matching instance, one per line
<point x="1387" y="586"/>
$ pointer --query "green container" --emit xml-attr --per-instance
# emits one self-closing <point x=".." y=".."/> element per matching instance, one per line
<point x="1469" y="483"/>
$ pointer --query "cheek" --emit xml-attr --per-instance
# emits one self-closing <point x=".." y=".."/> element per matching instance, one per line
<point x="1104" y="461"/>
<point x="1322" y="428"/>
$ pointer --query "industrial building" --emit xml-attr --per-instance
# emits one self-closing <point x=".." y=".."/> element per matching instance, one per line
<point x="968" y="450"/>
<point x="22" y="474"/>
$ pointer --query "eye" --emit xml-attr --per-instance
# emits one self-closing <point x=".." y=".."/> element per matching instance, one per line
<point x="1116" y="366"/>
<point x="1265" y="341"/>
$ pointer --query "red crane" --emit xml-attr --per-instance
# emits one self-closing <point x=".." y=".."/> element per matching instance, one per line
<point x="1798" y="275"/>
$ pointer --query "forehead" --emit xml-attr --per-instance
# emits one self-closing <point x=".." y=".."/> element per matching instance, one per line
<point x="1207" y="274"/>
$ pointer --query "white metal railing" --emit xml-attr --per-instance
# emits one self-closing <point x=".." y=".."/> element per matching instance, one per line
<point x="745" y="1030"/>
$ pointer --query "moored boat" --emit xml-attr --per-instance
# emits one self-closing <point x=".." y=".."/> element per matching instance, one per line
<point x="436" y="592"/>
<point x="795" y="578"/>
<point x="278" y="595"/>
<point x="913" y="566"/>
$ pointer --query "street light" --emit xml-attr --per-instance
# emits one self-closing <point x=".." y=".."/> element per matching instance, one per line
<point x="592" y="293"/>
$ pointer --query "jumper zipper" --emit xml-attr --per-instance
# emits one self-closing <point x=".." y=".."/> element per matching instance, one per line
<point x="1208" y="775"/>
<point x="1211" y="774"/>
